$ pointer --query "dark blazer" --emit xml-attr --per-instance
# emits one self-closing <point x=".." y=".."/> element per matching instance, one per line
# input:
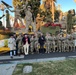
<point x="24" y="41"/>
<point x="41" y="40"/>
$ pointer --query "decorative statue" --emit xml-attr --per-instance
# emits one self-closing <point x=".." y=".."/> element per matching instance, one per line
<point x="17" y="15"/>
<point x="7" y="20"/>
<point x="69" y="22"/>
<point x="2" y="16"/>
<point x="39" y="22"/>
<point x="1" y="22"/>
<point x="28" y="17"/>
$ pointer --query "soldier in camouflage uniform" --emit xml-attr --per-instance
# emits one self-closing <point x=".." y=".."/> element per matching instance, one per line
<point x="72" y="45"/>
<point x="63" y="43"/>
<point x="67" y="42"/>
<point x="53" y="42"/>
<point x="32" y="40"/>
<point x="58" y="43"/>
<point x="73" y="40"/>
<point x="36" y="45"/>
<point x="20" y="44"/>
<point x="47" y="44"/>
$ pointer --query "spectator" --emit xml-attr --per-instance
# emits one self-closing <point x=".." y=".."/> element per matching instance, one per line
<point x="12" y="46"/>
<point x="41" y="41"/>
<point x="26" y="43"/>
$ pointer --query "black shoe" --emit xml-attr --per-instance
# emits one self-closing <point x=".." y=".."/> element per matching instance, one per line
<point x="11" y="56"/>
<point x="19" y="54"/>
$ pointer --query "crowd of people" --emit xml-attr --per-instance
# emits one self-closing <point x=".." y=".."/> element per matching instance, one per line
<point x="41" y="43"/>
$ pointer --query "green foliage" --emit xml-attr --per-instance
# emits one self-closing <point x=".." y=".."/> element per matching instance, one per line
<point x="50" y="29"/>
<point x="35" y="4"/>
<point x="22" y="14"/>
<point x="47" y="14"/>
<point x="57" y="14"/>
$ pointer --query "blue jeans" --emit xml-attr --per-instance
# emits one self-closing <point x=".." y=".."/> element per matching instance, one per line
<point x="12" y="52"/>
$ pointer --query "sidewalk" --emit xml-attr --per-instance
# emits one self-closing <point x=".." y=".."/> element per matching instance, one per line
<point x="7" y="69"/>
<point x="37" y="56"/>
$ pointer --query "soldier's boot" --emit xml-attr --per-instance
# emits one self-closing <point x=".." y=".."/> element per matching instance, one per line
<point x="63" y="48"/>
<point x="54" y="49"/>
<point x="32" y="50"/>
<point x="70" y="48"/>
<point x="67" y="49"/>
<point x="48" y="49"/>
<point x="59" y="49"/>
<point x="73" y="49"/>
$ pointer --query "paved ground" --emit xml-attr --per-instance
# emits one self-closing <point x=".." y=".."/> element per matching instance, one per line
<point x="7" y="65"/>
<point x="7" y="69"/>
<point x="37" y="56"/>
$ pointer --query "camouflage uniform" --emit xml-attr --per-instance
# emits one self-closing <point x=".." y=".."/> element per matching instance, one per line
<point x="53" y="43"/>
<point x="47" y="44"/>
<point x="67" y="42"/>
<point x="32" y="40"/>
<point x="73" y="40"/>
<point x="63" y="44"/>
<point x="36" y="44"/>
<point x="20" y="44"/>
<point x="72" y="45"/>
<point x="58" y="43"/>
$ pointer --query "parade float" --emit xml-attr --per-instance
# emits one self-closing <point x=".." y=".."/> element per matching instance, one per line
<point x="33" y="26"/>
<point x="48" y="13"/>
<point x="43" y="23"/>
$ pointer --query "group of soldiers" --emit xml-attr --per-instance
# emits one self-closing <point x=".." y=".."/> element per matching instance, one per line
<point x="53" y="43"/>
<point x="60" y="43"/>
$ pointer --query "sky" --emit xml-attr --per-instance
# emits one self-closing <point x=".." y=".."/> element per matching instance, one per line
<point x="8" y="2"/>
<point x="65" y="5"/>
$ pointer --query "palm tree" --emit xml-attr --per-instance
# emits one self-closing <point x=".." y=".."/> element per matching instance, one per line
<point x="50" y="5"/>
<point x="53" y="8"/>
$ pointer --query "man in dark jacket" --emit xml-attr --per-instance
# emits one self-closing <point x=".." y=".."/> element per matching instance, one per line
<point x="41" y="41"/>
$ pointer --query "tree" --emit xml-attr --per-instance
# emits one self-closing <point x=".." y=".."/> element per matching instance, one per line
<point x="47" y="15"/>
<point x="35" y="4"/>
<point x="57" y="14"/>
